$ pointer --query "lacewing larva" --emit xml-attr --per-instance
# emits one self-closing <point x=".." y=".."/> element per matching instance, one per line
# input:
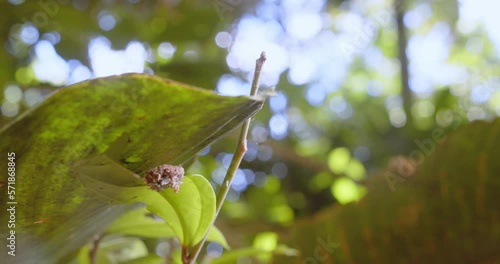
<point x="165" y="176"/>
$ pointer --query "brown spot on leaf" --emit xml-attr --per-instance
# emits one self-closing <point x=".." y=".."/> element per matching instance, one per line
<point x="40" y="221"/>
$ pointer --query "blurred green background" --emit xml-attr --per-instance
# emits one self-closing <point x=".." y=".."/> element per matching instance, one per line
<point x="359" y="84"/>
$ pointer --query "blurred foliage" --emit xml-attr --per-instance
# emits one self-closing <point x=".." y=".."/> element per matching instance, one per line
<point x="446" y="211"/>
<point x="333" y="145"/>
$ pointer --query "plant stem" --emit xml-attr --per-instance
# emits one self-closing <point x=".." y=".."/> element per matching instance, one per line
<point x="185" y="259"/>
<point x="240" y="151"/>
<point x="95" y="247"/>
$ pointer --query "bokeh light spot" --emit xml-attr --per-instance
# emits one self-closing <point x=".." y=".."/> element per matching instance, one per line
<point x="214" y="250"/>
<point x="338" y="160"/>
<point x="346" y="191"/>
<point x="223" y="39"/>
<point x="29" y="34"/>
<point x="106" y="21"/>
<point x="166" y="50"/>
<point x="13" y="93"/>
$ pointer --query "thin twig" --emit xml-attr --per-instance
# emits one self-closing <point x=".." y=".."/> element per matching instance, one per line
<point x="240" y="151"/>
<point x="403" y="59"/>
<point x="95" y="247"/>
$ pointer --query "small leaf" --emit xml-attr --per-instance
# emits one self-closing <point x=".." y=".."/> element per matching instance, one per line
<point x="116" y="250"/>
<point x="149" y="259"/>
<point x="215" y="235"/>
<point x="264" y="246"/>
<point x="141" y="223"/>
<point x="189" y="213"/>
<point x="232" y="256"/>
<point x="83" y="255"/>
<point x="194" y="207"/>
<point x="197" y="207"/>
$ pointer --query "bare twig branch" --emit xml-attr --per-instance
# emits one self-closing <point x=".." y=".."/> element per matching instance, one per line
<point x="240" y="151"/>
<point x="403" y="59"/>
<point x="95" y="247"/>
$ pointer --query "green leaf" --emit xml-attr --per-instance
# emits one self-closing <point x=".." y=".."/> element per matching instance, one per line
<point x="189" y="213"/>
<point x="264" y="246"/>
<point x="215" y="235"/>
<point x="120" y="249"/>
<point x="149" y="259"/>
<point x="113" y="249"/>
<point x="141" y="223"/>
<point x="83" y="255"/>
<point x="195" y="207"/>
<point x="135" y="121"/>
<point x="233" y="255"/>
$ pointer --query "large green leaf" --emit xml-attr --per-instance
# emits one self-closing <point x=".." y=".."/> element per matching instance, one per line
<point x="447" y="212"/>
<point x="136" y="121"/>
